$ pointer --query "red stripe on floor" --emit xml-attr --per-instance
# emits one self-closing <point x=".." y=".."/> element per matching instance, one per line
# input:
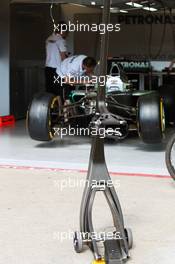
<point x="145" y="175"/>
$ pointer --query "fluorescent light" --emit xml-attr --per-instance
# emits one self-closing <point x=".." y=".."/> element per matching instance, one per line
<point x="134" y="4"/>
<point x="152" y="9"/>
<point x="123" y="11"/>
<point x="78" y="5"/>
<point x="93" y="3"/>
<point x="114" y="10"/>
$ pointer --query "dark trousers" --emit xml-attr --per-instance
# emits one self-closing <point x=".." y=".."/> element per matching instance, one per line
<point x="53" y="84"/>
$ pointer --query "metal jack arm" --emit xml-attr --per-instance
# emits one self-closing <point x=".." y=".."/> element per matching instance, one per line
<point x="116" y="251"/>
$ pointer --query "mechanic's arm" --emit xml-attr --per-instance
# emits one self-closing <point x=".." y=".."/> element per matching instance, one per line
<point x="63" y="49"/>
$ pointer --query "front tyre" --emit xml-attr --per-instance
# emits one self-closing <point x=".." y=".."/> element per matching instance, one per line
<point x="151" y="118"/>
<point x="42" y="115"/>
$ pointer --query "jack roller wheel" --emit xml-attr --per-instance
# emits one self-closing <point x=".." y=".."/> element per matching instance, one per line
<point x="78" y="242"/>
<point x="129" y="237"/>
<point x="99" y="262"/>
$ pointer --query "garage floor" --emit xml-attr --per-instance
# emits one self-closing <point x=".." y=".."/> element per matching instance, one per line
<point x="38" y="217"/>
<point x="128" y="156"/>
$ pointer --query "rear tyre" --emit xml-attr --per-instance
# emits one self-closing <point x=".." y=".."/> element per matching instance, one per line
<point x="151" y="119"/>
<point x="42" y="115"/>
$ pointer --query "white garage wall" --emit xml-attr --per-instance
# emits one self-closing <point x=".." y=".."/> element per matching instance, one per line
<point x="4" y="58"/>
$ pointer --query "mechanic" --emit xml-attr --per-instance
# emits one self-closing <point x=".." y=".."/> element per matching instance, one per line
<point x="72" y="68"/>
<point x="56" y="52"/>
<point x="77" y="65"/>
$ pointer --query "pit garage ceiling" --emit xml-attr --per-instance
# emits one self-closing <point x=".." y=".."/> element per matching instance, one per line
<point x="116" y="3"/>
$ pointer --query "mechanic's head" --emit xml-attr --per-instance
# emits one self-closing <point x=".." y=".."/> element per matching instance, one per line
<point x="89" y="65"/>
<point x="61" y="29"/>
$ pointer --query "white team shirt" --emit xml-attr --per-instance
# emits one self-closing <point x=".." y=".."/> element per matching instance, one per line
<point x="71" y="66"/>
<point x="54" y="45"/>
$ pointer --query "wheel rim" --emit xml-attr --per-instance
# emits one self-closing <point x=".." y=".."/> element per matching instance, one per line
<point x="54" y="107"/>
<point x="162" y="116"/>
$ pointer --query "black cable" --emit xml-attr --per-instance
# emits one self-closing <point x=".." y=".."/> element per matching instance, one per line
<point x="52" y="17"/>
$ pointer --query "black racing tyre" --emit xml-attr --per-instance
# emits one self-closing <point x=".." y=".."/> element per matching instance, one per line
<point x="170" y="156"/>
<point x="42" y="115"/>
<point x="150" y="118"/>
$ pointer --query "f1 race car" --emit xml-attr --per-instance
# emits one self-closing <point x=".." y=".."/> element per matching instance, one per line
<point x="140" y="111"/>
